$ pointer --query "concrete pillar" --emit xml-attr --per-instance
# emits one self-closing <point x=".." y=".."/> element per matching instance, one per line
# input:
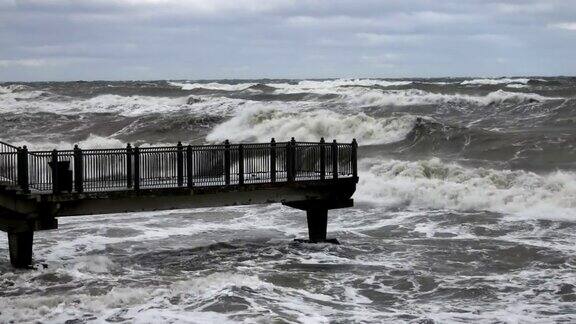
<point x="317" y="224"/>
<point x="20" y="245"/>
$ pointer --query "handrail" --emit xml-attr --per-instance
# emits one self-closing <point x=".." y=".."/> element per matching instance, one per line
<point x="9" y="145"/>
<point x="135" y="168"/>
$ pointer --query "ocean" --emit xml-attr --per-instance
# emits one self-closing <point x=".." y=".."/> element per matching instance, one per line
<point x="465" y="211"/>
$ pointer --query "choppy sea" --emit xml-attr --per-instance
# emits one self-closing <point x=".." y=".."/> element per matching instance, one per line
<point x="465" y="210"/>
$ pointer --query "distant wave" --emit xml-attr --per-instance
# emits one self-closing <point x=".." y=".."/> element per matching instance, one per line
<point x="301" y="86"/>
<point x="496" y="81"/>
<point x="213" y="86"/>
<point x="371" y="97"/>
<point x="43" y="101"/>
<point x="363" y="92"/>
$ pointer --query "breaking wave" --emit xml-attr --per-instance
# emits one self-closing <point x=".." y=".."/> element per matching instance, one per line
<point x="436" y="184"/>
<point x="92" y="141"/>
<point x="370" y="97"/>
<point x="262" y="123"/>
<point x="212" y="86"/>
<point x="46" y="102"/>
<point x="496" y="81"/>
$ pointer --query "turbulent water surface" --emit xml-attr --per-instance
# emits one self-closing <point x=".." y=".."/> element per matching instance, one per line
<point x="465" y="210"/>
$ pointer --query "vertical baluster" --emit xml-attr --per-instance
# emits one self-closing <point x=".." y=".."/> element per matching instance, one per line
<point x="137" y="168"/>
<point x="240" y="164"/>
<point x="293" y="159"/>
<point x="227" y="162"/>
<point x="180" y="164"/>
<point x="354" y="158"/>
<point x="55" y="184"/>
<point x="322" y="159"/>
<point x="335" y="159"/>
<point x="78" y="170"/>
<point x="190" y="183"/>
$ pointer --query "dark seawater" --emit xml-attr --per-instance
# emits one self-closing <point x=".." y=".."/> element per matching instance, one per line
<point x="465" y="211"/>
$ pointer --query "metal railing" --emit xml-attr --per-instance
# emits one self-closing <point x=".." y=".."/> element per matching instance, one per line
<point x="8" y="163"/>
<point x="135" y="168"/>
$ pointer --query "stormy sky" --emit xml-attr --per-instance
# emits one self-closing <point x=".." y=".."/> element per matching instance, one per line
<point x="219" y="39"/>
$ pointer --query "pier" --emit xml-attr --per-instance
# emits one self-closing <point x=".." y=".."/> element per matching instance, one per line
<point x="38" y="187"/>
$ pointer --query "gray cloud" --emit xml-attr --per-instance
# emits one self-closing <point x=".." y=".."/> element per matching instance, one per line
<point x="161" y="39"/>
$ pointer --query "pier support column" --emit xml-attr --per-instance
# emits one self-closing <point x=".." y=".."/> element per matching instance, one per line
<point x="317" y="217"/>
<point x="20" y="245"/>
<point x="317" y="224"/>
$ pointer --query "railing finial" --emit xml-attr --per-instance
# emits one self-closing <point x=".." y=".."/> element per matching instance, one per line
<point x="322" y="140"/>
<point x="128" y="145"/>
<point x="179" y="143"/>
<point x="273" y="140"/>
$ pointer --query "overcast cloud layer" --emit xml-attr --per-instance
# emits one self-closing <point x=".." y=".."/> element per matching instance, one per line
<point x="197" y="39"/>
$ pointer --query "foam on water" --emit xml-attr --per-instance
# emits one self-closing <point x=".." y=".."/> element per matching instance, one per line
<point x="130" y="106"/>
<point x="376" y="97"/>
<point x="495" y="81"/>
<point x="212" y="86"/>
<point x="428" y="240"/>
<point x="92" y="141"/>
<point x="261" y="123"/>
<point x="435" y="184"/>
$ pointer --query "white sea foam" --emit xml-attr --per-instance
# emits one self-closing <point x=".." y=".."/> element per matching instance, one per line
<point x="13" y="88"/>
<point x="40" y="101"/>
<point x="317" y="86"/>
<point x="212" y="86"/>
<point x="261" y="123"/>
<point x="332" y="86"/>
<point x="357" y="91"/>
<point x="375" y="97"/>
<point x="32" y="101"/>
<point x="495" y="81"/>
<point x="438" y="185"/>
<point x="517" y="86"/>
<point x="92" y="141"/>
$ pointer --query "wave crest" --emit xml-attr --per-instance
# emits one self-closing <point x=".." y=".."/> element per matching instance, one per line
<point x="262" y="123"/>
<point x="436" y="184"/>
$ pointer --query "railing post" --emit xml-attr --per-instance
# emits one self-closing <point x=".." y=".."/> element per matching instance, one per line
<point x="227" y="162"/>
<point x="335" y="159"/>
<point x="291" y="160"/>
<point x="129" y="175"/>
<point x="190" y="183"/>
<point x="322" y="159"/>
<point x="78" y="170"/>
<point x="136" y="168"/>
<point x="22" y="171"/>
<point x="294" y="158"/>
<point x="273" y="161"/>
<point x="55" y="184"/>
<point x="354" y="158"/>
<point x="240" y="164"/>
<point x="180" y="164"/>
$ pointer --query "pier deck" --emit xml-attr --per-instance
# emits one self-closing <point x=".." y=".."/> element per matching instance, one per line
<point x="37" y="187"/>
